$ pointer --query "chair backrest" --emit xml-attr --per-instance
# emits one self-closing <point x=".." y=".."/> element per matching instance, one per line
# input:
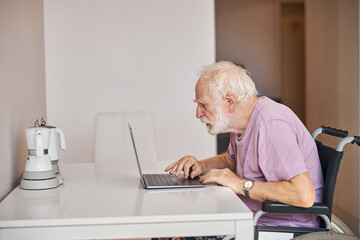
<point x="113" y="141"/>
<point x="330" y="162"/>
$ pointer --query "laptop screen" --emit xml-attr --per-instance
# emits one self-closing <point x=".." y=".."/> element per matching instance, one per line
<point x="136" y="155"/>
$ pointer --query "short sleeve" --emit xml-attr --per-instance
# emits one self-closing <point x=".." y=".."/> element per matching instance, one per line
<point x="279" y="154"/>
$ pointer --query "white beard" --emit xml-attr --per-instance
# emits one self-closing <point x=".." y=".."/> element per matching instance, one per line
<point x="220" y="125"/>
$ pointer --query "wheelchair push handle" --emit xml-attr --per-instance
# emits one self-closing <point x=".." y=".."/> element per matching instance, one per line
<point x="330" y="131"/>
<point x="334" y="132"/>
<point x="356" y="140"/>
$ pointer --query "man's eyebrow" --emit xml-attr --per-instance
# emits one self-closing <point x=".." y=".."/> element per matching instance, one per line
<point x="199" y="101"/>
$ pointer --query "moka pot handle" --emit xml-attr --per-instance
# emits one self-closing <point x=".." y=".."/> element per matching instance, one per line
<point x="61" y="138"/>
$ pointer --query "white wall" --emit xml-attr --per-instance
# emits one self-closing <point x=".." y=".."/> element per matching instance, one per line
<point x="114" y="56"/>
<point x="22" y="83"/>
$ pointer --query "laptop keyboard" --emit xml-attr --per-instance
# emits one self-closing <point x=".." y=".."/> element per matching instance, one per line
<point x="159" y="179"/>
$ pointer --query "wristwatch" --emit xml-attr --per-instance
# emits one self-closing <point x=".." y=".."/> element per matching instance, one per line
<point x="248" y="185"/>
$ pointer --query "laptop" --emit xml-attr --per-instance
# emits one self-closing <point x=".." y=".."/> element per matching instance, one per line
<point x="163" y="181"/>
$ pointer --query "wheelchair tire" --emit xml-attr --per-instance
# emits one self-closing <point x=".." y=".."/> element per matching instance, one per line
<point x="339" y="226"/>
<point x="326" y="236"/>
<point x="339" y="231"/>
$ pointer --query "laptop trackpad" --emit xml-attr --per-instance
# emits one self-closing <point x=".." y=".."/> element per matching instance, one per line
<point x="180" y="180"/>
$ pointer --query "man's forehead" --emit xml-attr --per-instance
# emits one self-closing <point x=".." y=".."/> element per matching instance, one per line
<point x="201" y="86"/>
<point x="202" y="90"/>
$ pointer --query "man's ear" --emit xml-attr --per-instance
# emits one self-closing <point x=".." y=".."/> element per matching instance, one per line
<point x="230" y="101"/>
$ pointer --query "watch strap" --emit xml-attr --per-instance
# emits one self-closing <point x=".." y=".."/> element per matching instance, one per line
<point x="247" y="193"/>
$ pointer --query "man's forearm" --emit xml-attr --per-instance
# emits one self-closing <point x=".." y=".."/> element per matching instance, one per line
<point x="217" y="162"/>
<point x="298" y="191"/>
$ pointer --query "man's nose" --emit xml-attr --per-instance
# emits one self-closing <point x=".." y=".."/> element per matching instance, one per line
<point x="199" y="112"/>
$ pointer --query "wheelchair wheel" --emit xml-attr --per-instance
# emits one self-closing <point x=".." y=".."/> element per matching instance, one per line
<point x="338" y="230"/>
<point x="326" y="236"/>
<point x="339" y="226"/>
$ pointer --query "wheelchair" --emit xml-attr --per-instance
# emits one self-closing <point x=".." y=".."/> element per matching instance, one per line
<point x="330" y="226"/>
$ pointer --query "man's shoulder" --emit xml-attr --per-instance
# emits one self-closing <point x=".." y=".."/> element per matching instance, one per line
<point x="269" y="110"/>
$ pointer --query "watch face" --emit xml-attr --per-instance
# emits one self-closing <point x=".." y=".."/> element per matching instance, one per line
<point x="248" y="184"/>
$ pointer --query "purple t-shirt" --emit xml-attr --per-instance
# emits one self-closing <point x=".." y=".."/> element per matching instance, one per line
<point x="276" y="146"/>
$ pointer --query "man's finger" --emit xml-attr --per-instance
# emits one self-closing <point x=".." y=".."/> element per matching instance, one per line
<point x="170" y="166"/>
<point x="187" y="168"/>
<point x="205" y="178"/>
<point x="211" y="177"/>
<point x="180" y="167"/>
<point x="173" y="169"/>
<point x="195" y="171"/>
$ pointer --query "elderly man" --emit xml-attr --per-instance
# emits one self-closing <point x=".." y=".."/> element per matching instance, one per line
<point x="271" y="155"/>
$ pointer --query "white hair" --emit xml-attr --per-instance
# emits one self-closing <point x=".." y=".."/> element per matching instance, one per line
<point x="226" y="77"/>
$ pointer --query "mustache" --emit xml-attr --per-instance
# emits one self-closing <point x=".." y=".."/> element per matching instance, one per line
<point x="203" y="119"/>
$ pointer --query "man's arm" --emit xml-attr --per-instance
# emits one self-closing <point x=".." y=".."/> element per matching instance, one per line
<point x="217" y="162"/>
<point x="192" y="167"/>
<point x="298" y="191"/>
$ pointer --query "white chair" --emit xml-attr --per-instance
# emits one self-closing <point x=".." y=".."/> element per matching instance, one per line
<point x="113" y="140"/>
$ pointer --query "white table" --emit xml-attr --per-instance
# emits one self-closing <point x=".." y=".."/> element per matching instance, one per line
<point x="106" y="200"/>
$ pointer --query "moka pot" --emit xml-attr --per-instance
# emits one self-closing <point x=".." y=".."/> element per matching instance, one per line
<point x="39" y="173"/>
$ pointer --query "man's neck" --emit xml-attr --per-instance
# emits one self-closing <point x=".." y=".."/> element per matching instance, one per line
<point x="242" y="115"/>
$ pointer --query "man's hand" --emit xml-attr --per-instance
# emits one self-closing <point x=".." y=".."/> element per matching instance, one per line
<point x="189" y="164"/>
<point x="224" y="177"/>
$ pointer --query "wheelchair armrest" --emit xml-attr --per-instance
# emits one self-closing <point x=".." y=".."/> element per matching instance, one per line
<point x="277" y="207"/>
